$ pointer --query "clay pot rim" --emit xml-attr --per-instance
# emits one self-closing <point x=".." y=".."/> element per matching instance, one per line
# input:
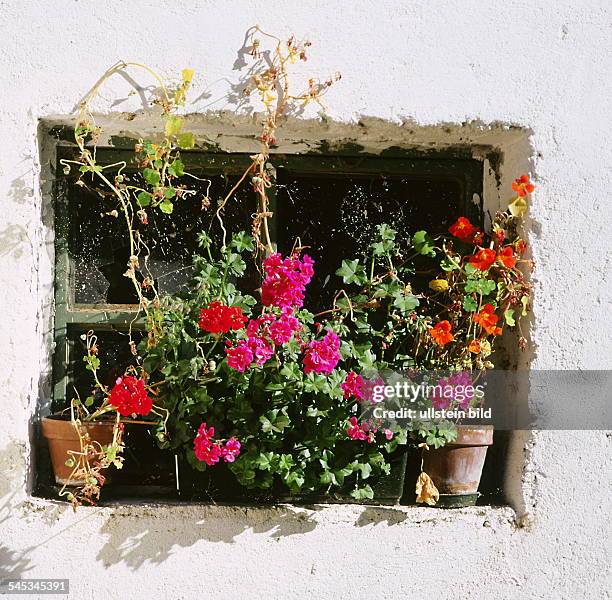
<point x="473" y="435"/>
<point x="54" y="427"/>
<point x="126" y="420"/>
<point x="66" y="418"/>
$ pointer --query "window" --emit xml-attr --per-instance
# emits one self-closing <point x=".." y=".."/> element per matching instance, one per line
<point x="328" y="201"/>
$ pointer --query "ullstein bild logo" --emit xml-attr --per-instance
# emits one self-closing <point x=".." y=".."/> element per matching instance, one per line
<point x="430" y="414"/>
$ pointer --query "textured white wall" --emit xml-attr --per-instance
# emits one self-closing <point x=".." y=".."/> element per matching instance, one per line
<point x="544" y="65"/>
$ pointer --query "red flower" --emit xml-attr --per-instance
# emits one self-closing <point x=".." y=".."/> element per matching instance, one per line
<point x="441" y="333"/>
<point x="465" y="231"/>
<point x="507" y="257"/>
<point x="483" y="259"/>
<point x="218" y="318"/>
<point x="130" y="397"/>
<point x="487" y="319"/>
<point x="522" y="186"/>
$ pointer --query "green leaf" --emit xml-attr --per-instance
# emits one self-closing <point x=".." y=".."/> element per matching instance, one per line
<point x="480" y="286"/>
<point x="274" y="421"/>
<point x="285" y="462"/>
<point x="243" y="241"/>
<point x="423" y="244"/>
<point x="406" y="303"/>
<point x="509" y="317"/>
<point x="235" y="264"/>
<point x="328" y="478"/>
<point x="363" y="493"/>
<point x="365" y="468"/>
<point x="291" y="371"/>
<point x="469" y="304"/>
<point x="186" y="140"/>
<point x="151" y="176"/>
<point x="166" y="207"/>
<point x="449" y="265"/>
<point x="352" y="272"/>
<point x="385" y="232"/>
<point x="470" y="269"/>
<point x="264" y="461"/>
<point x="169" y="192"/>
<point x="144" y="199"/>
<point x="295" y="480"/>
<point x="204" y="240"/>
<point x="177" y="168"/>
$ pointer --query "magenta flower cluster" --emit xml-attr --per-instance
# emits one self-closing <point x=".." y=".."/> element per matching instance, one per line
<point x="263" y="333"/>
<point x="359" y="431"/>
<point x="285" y="280"/>
<point x="353" y="386"/>
<point x="322" y="356"/>
<point x="212" y="451"/>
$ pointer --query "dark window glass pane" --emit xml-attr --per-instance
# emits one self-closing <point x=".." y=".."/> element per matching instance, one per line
<point x="99" y="246"/>
<point x="336" y="216"/>
<point x="114" y="354"/>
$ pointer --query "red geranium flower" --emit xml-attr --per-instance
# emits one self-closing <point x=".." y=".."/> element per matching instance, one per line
<point x="441" y="333"/>
<point x="130" y="397"/>
<point x="465" y="231"/>
<point x="218" y="318"/>
<point x="483" y="259"/>
<point x="522" y="186"/>
<point x="507" y="257"/>
<point x="487" y="319"/>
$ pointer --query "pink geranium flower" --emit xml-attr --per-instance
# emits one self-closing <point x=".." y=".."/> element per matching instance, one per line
<point x="353" y="386"/>
<point x="240" y="356"/>
<point x="322" y="356"/>
<point x="285" y="280"/>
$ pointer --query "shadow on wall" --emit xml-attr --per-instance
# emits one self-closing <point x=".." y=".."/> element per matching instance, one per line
<point x="136" y="539"/>
<point x="13" y="563"/>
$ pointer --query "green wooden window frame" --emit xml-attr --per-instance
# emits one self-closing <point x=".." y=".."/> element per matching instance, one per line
<point x="467" y="171"/>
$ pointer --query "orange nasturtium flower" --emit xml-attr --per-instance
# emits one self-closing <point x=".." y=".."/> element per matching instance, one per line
<point x="487" y="319"/>
<point x="474" y="346"/>
<point x="441" y="333"/>
<point x="507" y="257"/>
<point x="522" y="186"/>
<point x="483" y="259"/>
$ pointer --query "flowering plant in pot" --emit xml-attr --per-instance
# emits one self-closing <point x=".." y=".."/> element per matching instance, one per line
<point x="432" y="312"/>
<point x="87" y="441"/>
<point x="477" y="290"/>
<point x="262" y="388"/>
<point x="132" y="191"/>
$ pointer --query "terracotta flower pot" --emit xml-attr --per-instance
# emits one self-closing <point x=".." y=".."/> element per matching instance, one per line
<point x="457" y="467"/>
<point x="63" y="437"/>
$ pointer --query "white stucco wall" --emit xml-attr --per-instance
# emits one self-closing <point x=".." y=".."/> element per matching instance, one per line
<point x="542" y="64"/>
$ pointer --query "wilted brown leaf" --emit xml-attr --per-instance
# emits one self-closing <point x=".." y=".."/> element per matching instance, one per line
<point x="426" y="491"/>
